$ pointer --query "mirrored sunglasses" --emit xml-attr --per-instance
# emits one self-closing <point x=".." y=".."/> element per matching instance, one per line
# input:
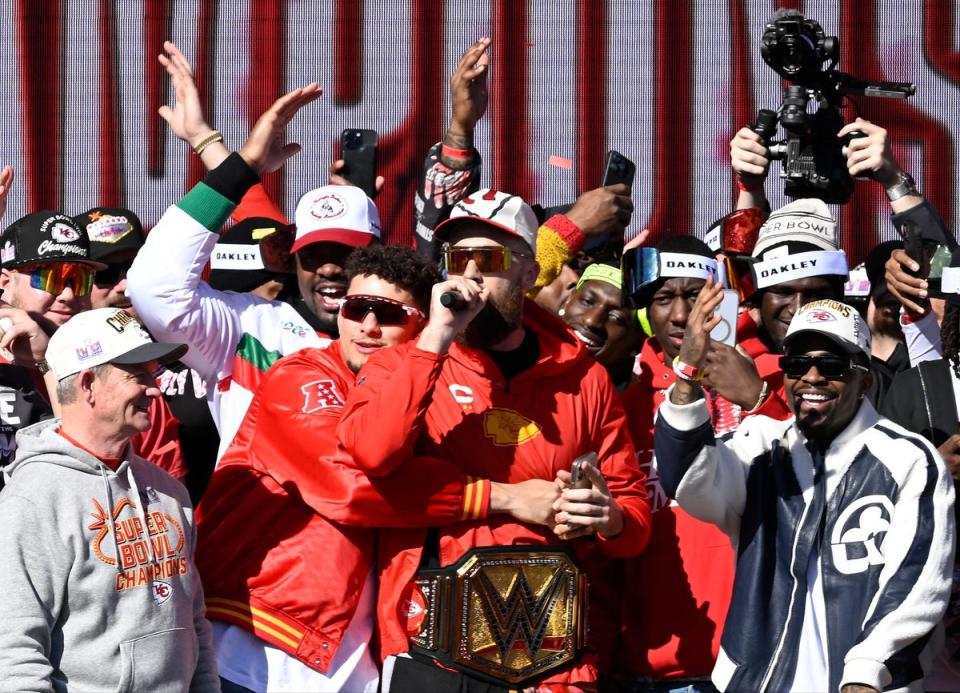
<point x="830" y="367"/>
<point x="496" y="258"/>
<point x="55" y="277"/>
<point x="385" y="310"/>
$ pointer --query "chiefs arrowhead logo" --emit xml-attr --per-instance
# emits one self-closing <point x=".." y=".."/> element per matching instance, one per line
<point x="507" y="427"/>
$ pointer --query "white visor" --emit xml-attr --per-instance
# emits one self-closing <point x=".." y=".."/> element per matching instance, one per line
<point x="799" y="266"/>
<point x="683" y="265"/>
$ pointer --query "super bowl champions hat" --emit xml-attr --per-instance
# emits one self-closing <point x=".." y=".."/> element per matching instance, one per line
<point x="42" y="237"/>
<point x="498" y="209"/>
<point x="105" y="335"/>
<point x="115" y="234"/>
<point x="837" y="321"/>
<point x="337" y="213"/>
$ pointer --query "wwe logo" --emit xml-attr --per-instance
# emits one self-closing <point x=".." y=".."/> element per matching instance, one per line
<point x="521" y="615"/>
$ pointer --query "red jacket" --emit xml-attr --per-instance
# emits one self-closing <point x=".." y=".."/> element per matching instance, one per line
<point x="677" y="592"/>
<point x="768" y="365"/>
<point x="459" y="408"/>
<point x="276" y="554"/>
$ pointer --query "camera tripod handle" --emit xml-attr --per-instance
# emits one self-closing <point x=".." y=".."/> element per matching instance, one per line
<point x="766" y="125"/>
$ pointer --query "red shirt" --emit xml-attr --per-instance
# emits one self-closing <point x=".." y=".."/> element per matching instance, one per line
<point x="284" y="544"/>
<point x="677" y="592"/>
<point x="459" y="407"/>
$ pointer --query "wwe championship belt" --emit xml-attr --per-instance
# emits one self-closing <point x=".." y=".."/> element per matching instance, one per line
<point x="504" y="614"/>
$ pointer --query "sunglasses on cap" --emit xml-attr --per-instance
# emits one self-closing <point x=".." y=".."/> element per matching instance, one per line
<point x="385" y="310"/>
<point x="495" y="258"/>
<point x="55" y="277"/>
<point x="830" y="367"/>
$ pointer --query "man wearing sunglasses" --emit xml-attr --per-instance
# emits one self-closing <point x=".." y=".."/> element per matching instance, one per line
<point x="45" y="279"/>
<point x="284" y="468"/>
<point x="500" y="388"/>
<point x="841" y="518"/>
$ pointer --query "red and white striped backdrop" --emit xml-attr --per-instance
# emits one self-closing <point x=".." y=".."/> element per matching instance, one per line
<point x="666" y="82"/>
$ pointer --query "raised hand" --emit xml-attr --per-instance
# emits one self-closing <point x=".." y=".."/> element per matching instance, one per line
<point x="185" y="119"/>
<point x="696" y="339"/>
<point x="468" y="94"/>
<point x="911" y="291"/>
<point x="749" y="158"/>
<point x="265" y="150"/>
<point x="870" y="156"/>
<point x="336" y="176"/>
<point x="602" y="211"/>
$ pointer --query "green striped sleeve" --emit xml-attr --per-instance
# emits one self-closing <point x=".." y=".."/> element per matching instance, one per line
<point x="207" y="206"/>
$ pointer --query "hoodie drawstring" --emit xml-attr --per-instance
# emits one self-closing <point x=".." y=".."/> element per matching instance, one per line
<point x="140" y="502"/>
<point x="110" y="519"/>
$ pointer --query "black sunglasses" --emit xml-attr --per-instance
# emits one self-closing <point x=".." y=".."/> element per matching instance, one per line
<point x="830" y="367"/>
<point x="385" y="310"/>
<point x="111" y="275"/>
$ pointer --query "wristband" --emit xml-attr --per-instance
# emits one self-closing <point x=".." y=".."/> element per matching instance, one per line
<point x="42" y="367"/>
<point x="743" y="187"/>
<point x="764" y="393"/>
<point x="214" y="136"/>
<point x="687" y="372"/>
<point x="454" y="153"/>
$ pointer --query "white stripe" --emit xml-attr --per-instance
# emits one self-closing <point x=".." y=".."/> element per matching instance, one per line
<point x="683" y="265"/>
<point x="236" y="256"/>
<point x="813" y="264"/>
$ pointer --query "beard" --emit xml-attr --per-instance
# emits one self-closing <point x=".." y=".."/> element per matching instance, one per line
<point x="498" y="319"/>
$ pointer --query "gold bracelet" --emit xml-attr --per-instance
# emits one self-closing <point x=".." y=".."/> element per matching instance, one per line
<point x="214" y="136"/>
<point x="764" y="392"/>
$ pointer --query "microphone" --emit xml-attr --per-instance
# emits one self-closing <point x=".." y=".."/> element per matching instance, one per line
<point x="452" y="300"/>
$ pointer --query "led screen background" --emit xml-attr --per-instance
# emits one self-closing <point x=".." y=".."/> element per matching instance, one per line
<point x="667" y="83"/>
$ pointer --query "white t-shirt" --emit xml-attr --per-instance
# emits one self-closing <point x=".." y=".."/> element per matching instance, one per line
<point x="811" y="673"/>
<point x="248" y="661"/>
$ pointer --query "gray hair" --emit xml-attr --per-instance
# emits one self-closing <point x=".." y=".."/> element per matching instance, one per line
<point x="67" y="387"/>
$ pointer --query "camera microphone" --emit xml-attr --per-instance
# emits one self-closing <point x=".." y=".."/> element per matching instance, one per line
<point x="453" y="301"/>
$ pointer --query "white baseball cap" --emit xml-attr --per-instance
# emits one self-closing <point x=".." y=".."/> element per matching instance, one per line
<point x="834" y="320"/>
<point x="105" y="335"/>
<point x="504" y="211"/>
<point x="338" y="213"/>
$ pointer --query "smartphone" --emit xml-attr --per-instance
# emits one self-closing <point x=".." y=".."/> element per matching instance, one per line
<point x="728" y="311"/>
<point x="576" y="469"/>
<point x="358" y="149"/>
<point x="617" y="169"/>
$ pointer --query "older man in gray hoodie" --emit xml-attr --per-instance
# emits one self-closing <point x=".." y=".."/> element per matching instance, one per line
<point x="98" y="589"/>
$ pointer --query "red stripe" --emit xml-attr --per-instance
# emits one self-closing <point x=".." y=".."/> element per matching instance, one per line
<point x="156" y="28"/>
<point x="741" y="76"/>
<point x="938" y="19"/>
<point x="40" y="45"/>
<point x="671" y="150"/>
<point x="267" y="58"/>
<point x="591" y="93"/>
<point x="859" y="56"/>
<point x="204" y="78"/>
<point x="347" y="51"/>
<point x="509" y="98"/>
<point x="400" y="152"/>
<point x="109" y="165"/>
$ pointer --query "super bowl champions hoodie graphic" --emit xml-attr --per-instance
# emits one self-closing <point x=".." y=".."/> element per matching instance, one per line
<point x="98" y="588"/>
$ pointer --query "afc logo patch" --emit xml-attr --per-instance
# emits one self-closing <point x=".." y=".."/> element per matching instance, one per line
<point x="320" y="394"/>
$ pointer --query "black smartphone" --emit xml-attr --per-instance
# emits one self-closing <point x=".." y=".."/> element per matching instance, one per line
<point x="618" y="169"/>
<point x="358" y="149"/>
<point x="576" y="469"/>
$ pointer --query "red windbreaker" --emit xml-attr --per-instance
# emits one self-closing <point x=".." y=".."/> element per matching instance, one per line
<point x="677" y="592"/>
<point x="276" y="554"/>
<point x="458" y="407"/>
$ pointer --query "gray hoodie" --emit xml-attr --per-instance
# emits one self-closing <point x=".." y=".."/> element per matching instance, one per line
<point x="98" y="588"/>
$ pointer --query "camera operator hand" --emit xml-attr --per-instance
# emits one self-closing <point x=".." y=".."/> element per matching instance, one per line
<point x="264" y="149"/>
<point x="468" y="97"/>
<point x="905" y="287"/>
<point x="870" y="156"/>
<point x="186" y="119"/>
<point x="750" y="160"/>
<point x="602" y="210"/>
<point x="444" y="324"/>
<point x="336" y="177"/>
